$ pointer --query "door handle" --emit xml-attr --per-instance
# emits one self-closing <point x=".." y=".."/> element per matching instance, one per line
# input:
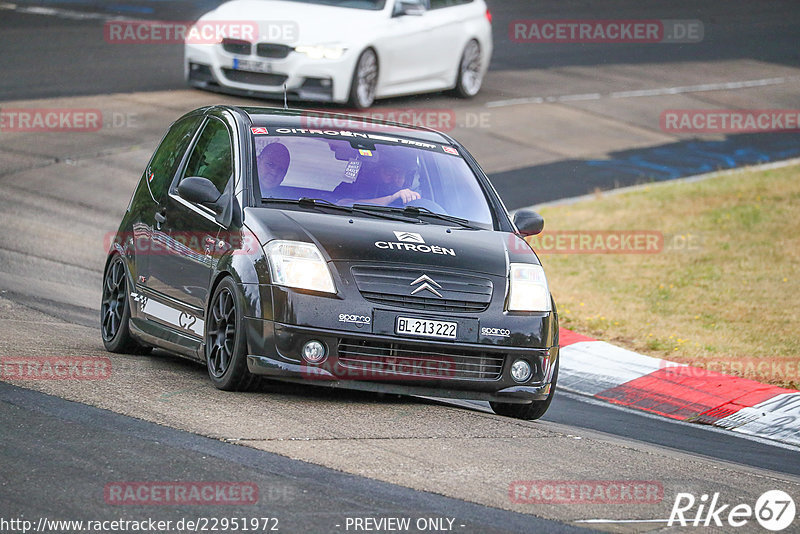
<point x="161" y="216"/>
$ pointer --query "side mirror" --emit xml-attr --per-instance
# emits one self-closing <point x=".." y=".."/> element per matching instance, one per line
<point x="528" y="222"/>
<point x="408" y="7"/>
<point x="200" y="190"/>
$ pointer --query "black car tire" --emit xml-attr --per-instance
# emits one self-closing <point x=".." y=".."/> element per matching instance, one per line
<point x="225" y="344"/>
<point x="364" y="82"/>
<point x="531" y="411"/>
<point x="115" y="311"/>
<point x="469" y="79"/>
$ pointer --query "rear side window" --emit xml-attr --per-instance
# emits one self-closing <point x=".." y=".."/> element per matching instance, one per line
<point x="168" y="155"/>
<point x="212" y="155"/>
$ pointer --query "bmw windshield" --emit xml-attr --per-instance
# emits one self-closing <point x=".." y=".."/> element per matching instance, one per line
<point x="367" y="169"/>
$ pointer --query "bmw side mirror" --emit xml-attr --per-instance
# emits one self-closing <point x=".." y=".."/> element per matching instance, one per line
<point x="405" y="7"/>
<point x="199" y="190"/>
<point x="528" y="222"/>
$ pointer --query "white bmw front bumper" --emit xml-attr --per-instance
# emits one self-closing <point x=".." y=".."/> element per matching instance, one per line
<point x="210" y="66"/>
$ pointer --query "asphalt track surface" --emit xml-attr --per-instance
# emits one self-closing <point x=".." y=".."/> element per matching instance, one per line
<point x="381" y="447"/>
<point x="304" y="497"/>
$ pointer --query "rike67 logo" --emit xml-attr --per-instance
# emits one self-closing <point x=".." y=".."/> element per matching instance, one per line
<point x="774" y="510"/>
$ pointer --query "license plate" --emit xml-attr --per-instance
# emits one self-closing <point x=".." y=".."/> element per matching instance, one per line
<point x="425" y="328"/>
<point x="252" y="66"/>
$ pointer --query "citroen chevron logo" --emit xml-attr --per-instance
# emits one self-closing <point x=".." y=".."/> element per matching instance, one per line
<point x="409" y="237"/>
<point x="428" y="284"/>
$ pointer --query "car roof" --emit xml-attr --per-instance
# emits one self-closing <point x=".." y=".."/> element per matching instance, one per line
<point x="322" y="120"/>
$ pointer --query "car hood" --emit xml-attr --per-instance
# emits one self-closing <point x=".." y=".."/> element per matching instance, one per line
<point x="315" y="24"/>
<point x="367" y="239"/>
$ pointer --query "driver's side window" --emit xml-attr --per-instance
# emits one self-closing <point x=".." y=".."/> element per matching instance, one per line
<point x="211" y="157"/>
<point x="401" y="5"/>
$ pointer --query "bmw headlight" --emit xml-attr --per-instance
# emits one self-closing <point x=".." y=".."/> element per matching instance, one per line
<point x="298" y="264"/>
<point x="528" y="288"/>
<point x="322" y="51"/>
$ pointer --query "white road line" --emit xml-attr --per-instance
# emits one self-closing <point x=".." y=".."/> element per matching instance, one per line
<point x="727" y="86"/>
<point x="595" y="521"/>
<point x="514" y="102"/>
<point x="724" y="86"/>
<point x="585" y="96"/>
<point x="61" y="13"/>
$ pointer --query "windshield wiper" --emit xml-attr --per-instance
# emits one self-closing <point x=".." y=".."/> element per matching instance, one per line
<point x="381" y="211"/>
<point x="420" y="210"/>
<point x="416" y="211"/>
<point x="307" y="202"/>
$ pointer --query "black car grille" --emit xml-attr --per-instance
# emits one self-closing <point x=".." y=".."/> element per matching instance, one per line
<point x="274" y="51"/>
<point x="236" y="46"/>
<point x="255" y="78"/>
<point x="373" y="359"/>
<point x="393" y="286"/>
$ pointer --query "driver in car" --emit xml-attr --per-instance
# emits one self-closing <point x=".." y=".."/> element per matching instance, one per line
<point x="387" y="183"/>
<point x="273" y="162"/>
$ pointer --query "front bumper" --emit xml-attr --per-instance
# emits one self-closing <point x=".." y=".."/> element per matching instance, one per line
<point x="399" y="365"/>
<point x="212" y="68"/>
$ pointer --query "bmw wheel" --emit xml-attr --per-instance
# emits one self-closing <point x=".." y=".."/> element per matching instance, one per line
<point x="470" y="76"/>
<point x="225" y="345"/>
<point x="365" y="80"/>
<point x="115" y="312"/>
<point x="531" y="411"/>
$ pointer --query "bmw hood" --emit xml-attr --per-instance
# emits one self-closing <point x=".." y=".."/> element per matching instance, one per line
<point x="364" y="239"/>
<point x="297" y="23"/>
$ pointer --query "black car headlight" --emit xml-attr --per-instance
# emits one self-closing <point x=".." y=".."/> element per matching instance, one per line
<point x="528" y="288"/>
<point x="299" y="264"/>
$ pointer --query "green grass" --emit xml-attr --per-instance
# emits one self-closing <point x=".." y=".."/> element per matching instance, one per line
<point x="723" y="293"/>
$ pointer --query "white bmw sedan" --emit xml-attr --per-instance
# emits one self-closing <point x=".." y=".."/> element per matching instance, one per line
<point x="343" y="51"/>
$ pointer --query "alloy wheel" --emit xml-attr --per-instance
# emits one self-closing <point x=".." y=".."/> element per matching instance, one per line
<point x="221" y="333"/>
<point x="114" y="295"/>
<point x="366" y="78"/>
<point x="470" y="69"/>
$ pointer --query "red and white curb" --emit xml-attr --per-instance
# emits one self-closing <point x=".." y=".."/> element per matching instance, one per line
<point x="675" y="390"/>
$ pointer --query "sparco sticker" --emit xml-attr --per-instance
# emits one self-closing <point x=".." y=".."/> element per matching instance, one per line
<point x="496" y="332"/>
<point x="355" y="319"/>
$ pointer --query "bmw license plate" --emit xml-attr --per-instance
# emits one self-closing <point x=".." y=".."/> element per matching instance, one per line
<point x="252" y="66"/>
<point x="425" y="328"/>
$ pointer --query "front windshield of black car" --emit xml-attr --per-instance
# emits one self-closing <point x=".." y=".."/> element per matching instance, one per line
<point x="375" y="5"/>
<point x="367" y="168"/>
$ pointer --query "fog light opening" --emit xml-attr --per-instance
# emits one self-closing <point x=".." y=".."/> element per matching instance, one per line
<point x="314" y="351"/>
<point x="520" y="371"/>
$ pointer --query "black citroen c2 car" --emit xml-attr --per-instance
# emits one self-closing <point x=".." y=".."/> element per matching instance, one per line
<point x="331" y="250"/>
